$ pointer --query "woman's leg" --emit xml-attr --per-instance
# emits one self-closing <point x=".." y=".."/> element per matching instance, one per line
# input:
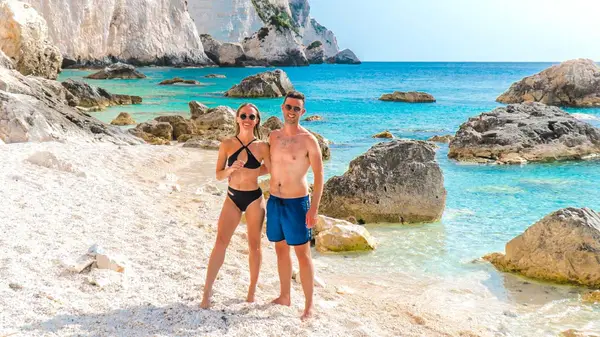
<point x="228" y="221"/>
<point x="255" y="216"/>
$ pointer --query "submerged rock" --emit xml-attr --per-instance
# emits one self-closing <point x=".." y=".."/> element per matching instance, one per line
<point x="562" y="247"/>
<point x="410" y="97"/>
<point x="24" y="38"/>
<point x="524" y="132"/>
<point x="385" y="134"/>
<point x="344" y="238"/>
<point x="441" y="139"/>
<point x="117" y="70"/>
<point x="267" y="84"/>
<point x="346" y="56"/>
<point x="178" y="80"/>
<point x="397" y="181"/>
<point x="122" y="119"/>
<point x="571" y="83"/>
<point x="88" y="96"/>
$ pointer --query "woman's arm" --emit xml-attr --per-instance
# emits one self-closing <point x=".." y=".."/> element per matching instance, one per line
<point x="222" y="172"/>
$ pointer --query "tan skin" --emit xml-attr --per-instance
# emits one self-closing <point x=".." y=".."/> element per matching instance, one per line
<point x="293" y="151"/>
<point x="242" y="179"/>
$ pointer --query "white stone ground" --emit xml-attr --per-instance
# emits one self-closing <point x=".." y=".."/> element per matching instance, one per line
<point x="56" y="200"/>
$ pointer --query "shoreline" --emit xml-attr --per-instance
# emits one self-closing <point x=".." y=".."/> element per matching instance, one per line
<point x="124" y="202"/>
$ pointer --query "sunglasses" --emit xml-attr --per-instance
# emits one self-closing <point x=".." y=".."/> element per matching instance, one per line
<point x="289" y="108"/>
<point x="244" y="116"/>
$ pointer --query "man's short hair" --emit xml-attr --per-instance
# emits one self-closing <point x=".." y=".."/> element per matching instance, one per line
<point x="294" y="94"/>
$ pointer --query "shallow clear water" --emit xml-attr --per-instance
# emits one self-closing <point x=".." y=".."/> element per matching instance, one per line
<point x="487" y="205"/>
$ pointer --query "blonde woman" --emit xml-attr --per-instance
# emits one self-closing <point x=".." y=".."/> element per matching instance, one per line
<point x="239" y="161"/>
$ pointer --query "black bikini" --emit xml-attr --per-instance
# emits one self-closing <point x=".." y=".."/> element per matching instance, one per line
<point x="242" y="199"/>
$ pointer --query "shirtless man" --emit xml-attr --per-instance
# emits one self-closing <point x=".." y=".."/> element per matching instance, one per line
<point x="290" y="213"/>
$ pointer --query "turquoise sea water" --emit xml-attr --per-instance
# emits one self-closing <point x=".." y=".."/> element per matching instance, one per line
<point x="487" y="205"/>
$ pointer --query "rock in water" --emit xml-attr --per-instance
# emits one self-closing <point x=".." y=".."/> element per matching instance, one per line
<point x="385" y="134"/>
<point x="314" y="118"/>
<point x="346" y="56"/>
<point x="524" y="132"/>
<point x="315" y="53"/>
<point x="178" y="80"/>
<point x="117" y="70"/>
<point x="410" y="97"/>
<point x="139" y="32"/>
<point x="123" y="119"/>
<point x="215" y="76"/>
<point x="97" y="98"/>
<point x="441" y="139"/>
<point x="571" y="83"/>
<point x="197" y="109"/>
<point x="267" y="84"/>
<point x="345" y="238"/>
<point x="36" y="109"/>
<point x="562" y="247"/>
<point x="274" y="46"/>
<point x="24" y="38"/>
<point x="397" y="181"/>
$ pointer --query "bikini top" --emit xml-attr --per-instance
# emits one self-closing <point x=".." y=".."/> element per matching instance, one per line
<point x="252" y="162"/>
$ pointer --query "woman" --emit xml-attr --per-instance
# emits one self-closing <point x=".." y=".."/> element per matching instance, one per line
<point x="239" y="161"/>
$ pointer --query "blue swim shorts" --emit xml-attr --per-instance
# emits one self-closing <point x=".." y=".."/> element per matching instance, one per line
<point x="286" y="220"/>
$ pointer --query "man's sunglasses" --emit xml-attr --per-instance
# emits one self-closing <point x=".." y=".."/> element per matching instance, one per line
<point x="244" y="116"/>
<point x="289" y="108"/>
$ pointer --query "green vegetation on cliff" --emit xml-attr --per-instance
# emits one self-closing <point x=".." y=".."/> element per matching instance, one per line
<point x="275" y="16"/>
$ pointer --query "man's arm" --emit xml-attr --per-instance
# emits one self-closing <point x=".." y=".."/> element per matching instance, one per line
<point x="316" y="163"/>
<point x="265" y="168"/>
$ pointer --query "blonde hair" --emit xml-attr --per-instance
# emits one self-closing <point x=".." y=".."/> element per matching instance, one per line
<point x="256" y="127"/>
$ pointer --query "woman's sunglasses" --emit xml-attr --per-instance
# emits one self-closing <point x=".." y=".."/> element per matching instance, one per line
<point x="289" y="108"/>
<point x="244" y="116"/>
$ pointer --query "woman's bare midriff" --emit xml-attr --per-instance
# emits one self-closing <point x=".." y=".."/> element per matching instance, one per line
<point x="244" y="179"/>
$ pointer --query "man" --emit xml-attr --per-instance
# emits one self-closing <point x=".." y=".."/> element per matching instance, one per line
<point x="290" y="213"/>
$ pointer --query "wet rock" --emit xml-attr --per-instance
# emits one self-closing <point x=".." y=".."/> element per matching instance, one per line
<point x="441" y="139"/>
<point x="591" y="297"/>
<point x="524" y="132"/>
<point x="267" y="84"/>
<point x="117" y="70"/>
<point x="410" y="97"/>
<point x="344" y="238"/>
<point x="384" y="134"/>
<point x="397" y="181"/>
<point x="571" y="83"/>
<point x="562" y="247"/>
<point x="178" y="80"/>
<point x="88" y="96"/>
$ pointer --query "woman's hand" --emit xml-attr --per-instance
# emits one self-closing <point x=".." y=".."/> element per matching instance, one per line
<point x="238" y="164"/>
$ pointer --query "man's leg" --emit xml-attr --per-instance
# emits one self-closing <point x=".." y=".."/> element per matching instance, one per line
<point x="307" y="276"/>
<point x="284" y="266"/>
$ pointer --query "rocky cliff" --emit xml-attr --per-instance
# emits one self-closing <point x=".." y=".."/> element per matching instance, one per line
<point x="234" y="20"/>
<point x="140" y="32"/>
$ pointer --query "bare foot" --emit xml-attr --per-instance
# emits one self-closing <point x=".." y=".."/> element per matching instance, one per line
<point x="205" y="302"/>
<point x="282" y="301"/>
<point x="308" y="313"/>
<point x="250" y="298"/>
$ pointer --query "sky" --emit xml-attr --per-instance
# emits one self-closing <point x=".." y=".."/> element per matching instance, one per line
<point x="464" y="30"/>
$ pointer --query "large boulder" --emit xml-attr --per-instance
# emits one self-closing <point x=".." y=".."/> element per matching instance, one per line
<point x="219" y="118"/>
<point x="117" y="70"/>
<point x="562" y="247"/>
<point x="36" y="109"/>
<point x="524" y="132"/>
<point x="274" y="46"/>
<point x="123" y="119"/>
<point x="315" y="53"/>
<point x="225" y="54"/>
<point x="96" y="98"/>
<point x="153" y="128"/>
<point x="397" y="181"/>
<point x="211" y="47"/>
<point x="274" y="123"/>
<point x="410" y="97"/>
<point x="181" y="126"/>
<point x="197" y="109"/>
<point x="571" y="83"/>
<point x="346" y="56"/>
<point x="344" y="238"/>
<point x="267" y="84"/>
<point x="24" y="39"/>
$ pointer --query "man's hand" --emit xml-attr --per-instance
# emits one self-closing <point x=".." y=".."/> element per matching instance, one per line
<point x="311" y="217"/>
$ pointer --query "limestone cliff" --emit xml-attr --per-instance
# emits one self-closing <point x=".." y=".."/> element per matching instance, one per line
<point x="140" y="32"/>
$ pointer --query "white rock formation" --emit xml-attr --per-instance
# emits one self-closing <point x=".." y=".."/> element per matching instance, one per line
<point x="274" y="46"/>
<point x="24" y="39"/>
<point x="136" y="31"/>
